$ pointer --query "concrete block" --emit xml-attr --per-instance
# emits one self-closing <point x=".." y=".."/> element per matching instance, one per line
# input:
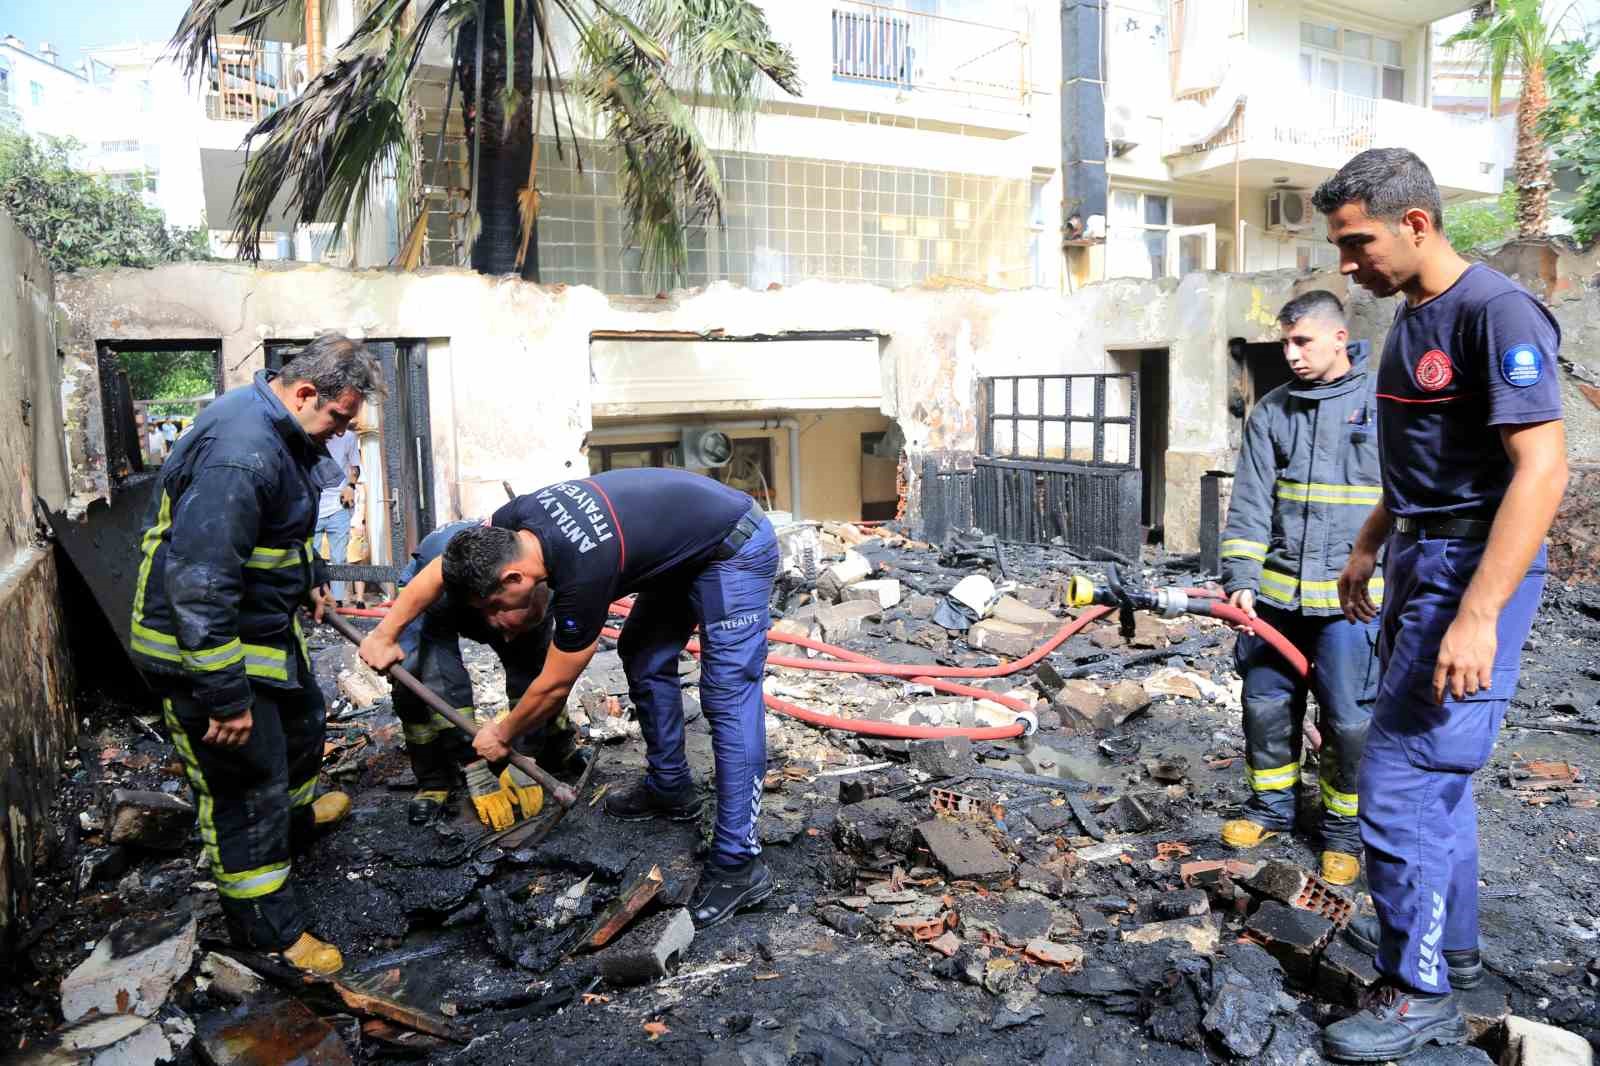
<point x="131" y="970"/>
<point x="884" y="592"/>
<point x="1124" y="700"/>
<point x="1292" y="936"/>
<point x="111" y="1040"/>
<point x="841" y="621"/>
<point x="269" y="1032"/>
<point x="1199" y="933"/>
<point x="150" y="819"/>
<point x="229" y="979"/>
<point x="1183" y="903"/>
<point x="1082" y="706"/>
<point x="1530" y="1043"/>
<point x="1003" y="638"/>
<point x="921" y="607"/>
<point x="855" y="567"/>
<point x="1344" y="972"/>
<point x="650" y="950"/>
<point x="871" y="824"/>
<point x="1010" y="609"/>
<point x="964" y="852"/>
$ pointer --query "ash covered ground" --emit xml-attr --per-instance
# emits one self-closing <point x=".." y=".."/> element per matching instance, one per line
<point x="1072" y="903"/>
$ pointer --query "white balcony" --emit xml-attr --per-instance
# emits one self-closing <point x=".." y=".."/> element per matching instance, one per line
<point x="1304" y="134"/>
<point x="982" y="64"/>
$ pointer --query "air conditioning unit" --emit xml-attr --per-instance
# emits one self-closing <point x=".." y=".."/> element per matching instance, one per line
<point x="1288" y="211"/>
<point x="706" y="449"/>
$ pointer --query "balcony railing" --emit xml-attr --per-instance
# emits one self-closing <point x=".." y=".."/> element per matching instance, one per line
<point x="917" y="51"/>
<point x="246" y="83"/>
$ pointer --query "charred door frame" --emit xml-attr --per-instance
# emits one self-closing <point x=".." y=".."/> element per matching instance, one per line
<point x="407" y="455"/>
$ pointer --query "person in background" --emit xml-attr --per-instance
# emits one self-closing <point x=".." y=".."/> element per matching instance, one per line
<point x="336" y="504"/>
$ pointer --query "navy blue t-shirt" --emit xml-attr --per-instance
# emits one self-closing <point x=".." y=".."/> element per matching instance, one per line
<point x="611" y="534"/>
<point x="1481" y="354"/>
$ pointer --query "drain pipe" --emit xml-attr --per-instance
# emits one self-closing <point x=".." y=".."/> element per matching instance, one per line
<point x="790" y="424"/>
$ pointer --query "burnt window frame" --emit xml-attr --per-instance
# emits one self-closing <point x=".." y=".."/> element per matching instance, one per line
<point x="1096" y="418"/>
<point x="124" y="451"/>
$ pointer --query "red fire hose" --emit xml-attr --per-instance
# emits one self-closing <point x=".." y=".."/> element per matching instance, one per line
<point x="849" y="662"/>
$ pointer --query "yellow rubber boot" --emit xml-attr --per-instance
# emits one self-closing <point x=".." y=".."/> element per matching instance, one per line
<point x="330" y="808"/>
<point x="521" y="787"/>
<point x="1243" y="833"/>
<point x="314" y="956"/>
<point x="1340" y="867"/>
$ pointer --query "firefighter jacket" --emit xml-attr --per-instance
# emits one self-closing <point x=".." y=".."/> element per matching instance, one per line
<point x="1306" y="481"/>
<point x="227" y="555"/>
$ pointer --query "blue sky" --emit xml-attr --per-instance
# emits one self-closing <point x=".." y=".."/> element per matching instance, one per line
<point x="74" y="25"/>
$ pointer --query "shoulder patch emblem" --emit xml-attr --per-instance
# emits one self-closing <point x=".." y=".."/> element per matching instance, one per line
<point x="1522" y="366"/>
<point x="1434" y="371"/>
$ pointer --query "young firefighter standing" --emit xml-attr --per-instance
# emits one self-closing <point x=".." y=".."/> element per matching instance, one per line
<point x="697" y="553"/>
<point x="1474" y="465"/>
<point x="227" y="560"/>
<point x="1307" y="478"/>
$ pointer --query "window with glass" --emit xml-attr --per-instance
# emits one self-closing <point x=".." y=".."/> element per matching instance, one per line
<point x="5" y="84"/>
<point x="1145" y="218"/>
<point x="1362" y="64"/>
<point x="37" y="92"/>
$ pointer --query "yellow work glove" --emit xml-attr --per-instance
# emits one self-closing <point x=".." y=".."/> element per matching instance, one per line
<point x="492" y="802"/>
<point x="529" y="796"/>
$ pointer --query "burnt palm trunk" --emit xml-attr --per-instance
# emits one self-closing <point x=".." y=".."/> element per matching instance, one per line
<point x="1532" y="166"/>
<point x="505" y="144"/>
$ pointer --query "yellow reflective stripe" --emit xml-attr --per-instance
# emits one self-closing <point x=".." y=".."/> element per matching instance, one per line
<point x="427" y="732"/>
<point x="1234" y="548"/>
<point x="208" y="660"/>
<point x="265" y="662"/>
<point x="1281" y="588"/>
<point x="304" y="794"/>
<point x="1319" y="492"/>
<point x="252" y="884"/>
<point x="205" y="807"/>
<point x="300" y="639"/>
<point x="154" y="644"/>
<point x="1273" y="780"/>
<point x="1345" y="803"/>
<point x="148" y="546"/>
<point x="273" y="558"/>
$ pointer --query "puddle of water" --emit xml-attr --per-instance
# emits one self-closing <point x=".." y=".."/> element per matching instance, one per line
<point x="1031" y="756"/>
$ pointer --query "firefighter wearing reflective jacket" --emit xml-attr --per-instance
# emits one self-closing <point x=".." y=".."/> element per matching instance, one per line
<point x="226" y="562"/>
<point x="1307" y="477"/>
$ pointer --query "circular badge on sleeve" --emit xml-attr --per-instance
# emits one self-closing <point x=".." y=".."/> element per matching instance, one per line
<point x="1522" y="366"/>
<point x="1434" y="371"/>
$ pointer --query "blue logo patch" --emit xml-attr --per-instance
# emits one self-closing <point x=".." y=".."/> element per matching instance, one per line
<point x="1522" y="366"/>
<point x="570" y="623"/>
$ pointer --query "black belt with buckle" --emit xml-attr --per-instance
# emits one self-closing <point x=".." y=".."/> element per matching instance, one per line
<point x="743" y="530"/>
<point x="1444" y="528"/>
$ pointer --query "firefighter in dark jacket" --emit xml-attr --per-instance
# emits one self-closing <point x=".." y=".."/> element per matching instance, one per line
<point x="1307" y="478"/>
<point x="226" y="562"/>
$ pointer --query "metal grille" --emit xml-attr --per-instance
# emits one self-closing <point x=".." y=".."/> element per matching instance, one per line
<point x="1082" y="418"/>
<point x="1031" y="502"/>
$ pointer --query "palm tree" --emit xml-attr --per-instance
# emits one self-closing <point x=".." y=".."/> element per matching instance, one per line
<point x="641" y="68"/>
<point x="1513" y="35"/>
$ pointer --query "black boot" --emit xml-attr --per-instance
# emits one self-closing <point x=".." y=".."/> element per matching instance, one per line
<point x="1395" y="1023"/>
<point x="1466" y="965"/>
<point x="641" y="803"/>
<point x="724" y="891"/>
<point x="427" y="805"/>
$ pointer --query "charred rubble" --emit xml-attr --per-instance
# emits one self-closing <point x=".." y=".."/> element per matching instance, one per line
<point x="1061" y="897"/>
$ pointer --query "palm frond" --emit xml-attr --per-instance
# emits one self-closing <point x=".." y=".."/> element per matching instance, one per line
<point x="194" y="42"/>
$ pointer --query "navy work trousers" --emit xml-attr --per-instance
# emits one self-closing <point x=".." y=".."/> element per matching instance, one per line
<point x="730" y="600"/>
<point x="1418" y="818"/>
<point x="1344" y="676"/>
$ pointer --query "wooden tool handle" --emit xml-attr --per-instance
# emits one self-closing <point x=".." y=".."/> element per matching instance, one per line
<point x="556" y="789"/>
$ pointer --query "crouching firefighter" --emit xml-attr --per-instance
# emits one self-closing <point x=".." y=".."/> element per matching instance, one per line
<point x="1307" y="478"/>
<point x="226" y="562"/>
<point x="441" y="754"/>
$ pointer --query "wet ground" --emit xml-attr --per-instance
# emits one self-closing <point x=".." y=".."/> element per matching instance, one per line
<point x="482" y="934"/>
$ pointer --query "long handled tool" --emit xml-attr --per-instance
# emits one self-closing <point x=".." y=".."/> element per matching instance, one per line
<point x="562" y="793"/>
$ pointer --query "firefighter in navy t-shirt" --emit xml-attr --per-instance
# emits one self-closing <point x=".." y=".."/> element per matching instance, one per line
<point x="1472" y="451"/>
<point x="697" y="553"/>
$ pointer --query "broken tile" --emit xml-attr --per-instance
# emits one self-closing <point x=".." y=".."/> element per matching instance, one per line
<point x="648" y="951"/>
<point x="1542" y="774"/>
<point x="152" y="820"/>
<point x="230" y="979"/>
<point x="1199" y="933"/>
<point x="963" y="851"/>
<point x="1111" y="851"/>
<point x="1069" y="956"/>
<point x="268" y="1032"/>
<point x="946" y="944"/>
<point x="113" y="1040"/>
<point x="132" y="969"/>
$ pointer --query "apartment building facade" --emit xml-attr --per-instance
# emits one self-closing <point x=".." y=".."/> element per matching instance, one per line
<point x="1223" y="115"/>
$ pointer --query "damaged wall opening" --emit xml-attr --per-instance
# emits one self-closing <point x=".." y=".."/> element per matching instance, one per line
<point x="793" y="419"/>
<point x="1264" y="369"/>
<point x="150" y="392"/>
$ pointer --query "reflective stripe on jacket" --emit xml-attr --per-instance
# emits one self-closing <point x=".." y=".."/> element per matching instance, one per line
<point x="1307" y="479"/>
<point x="227" y="557"/>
